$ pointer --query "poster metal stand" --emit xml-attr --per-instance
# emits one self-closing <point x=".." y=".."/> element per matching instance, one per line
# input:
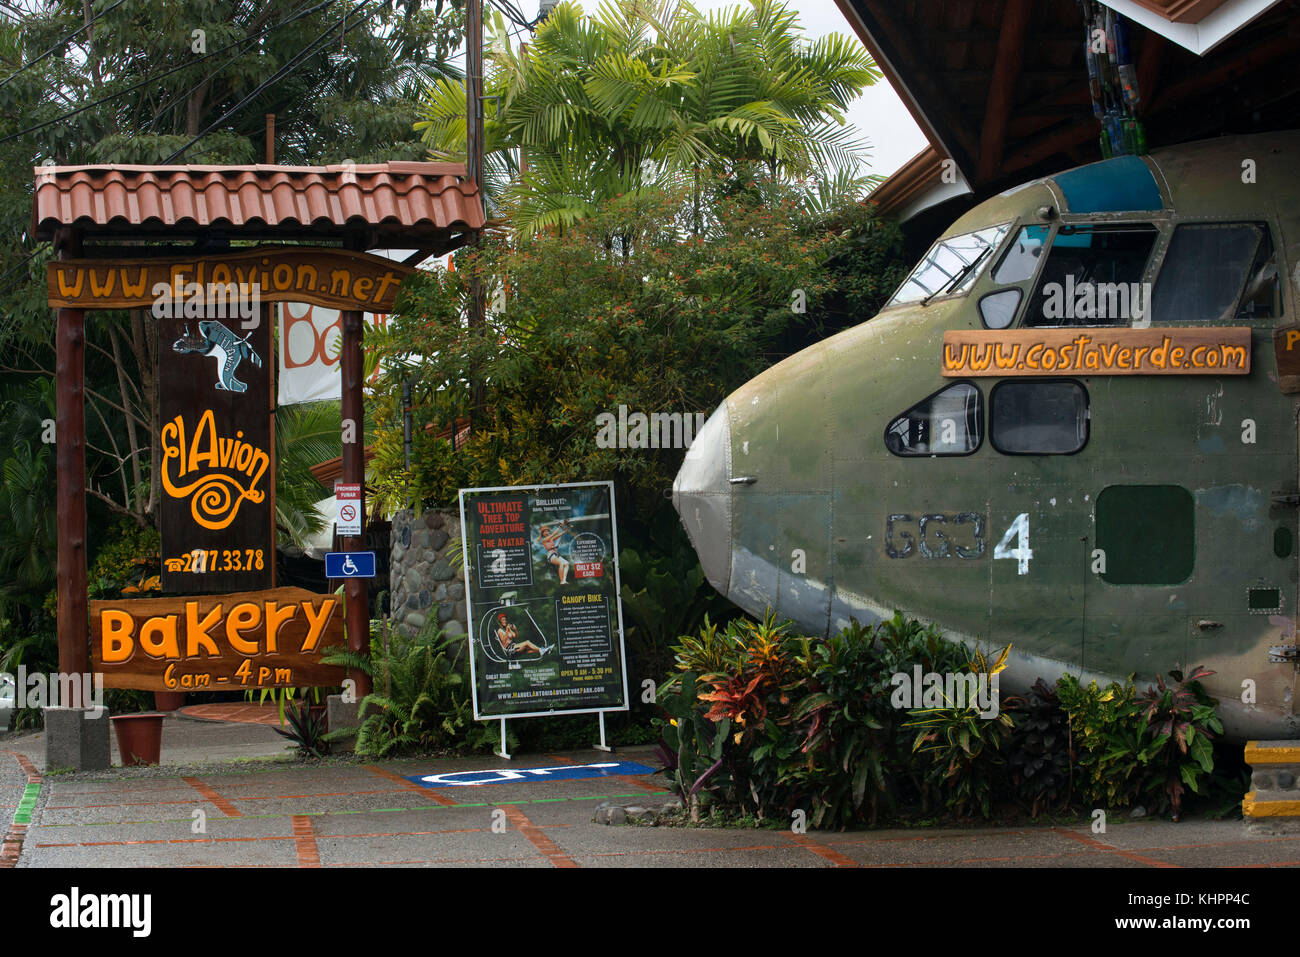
<point x="503" y="753"/>
<point x="602" y="746"/>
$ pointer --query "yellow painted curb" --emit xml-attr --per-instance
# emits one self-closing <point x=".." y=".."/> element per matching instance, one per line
<point x="1253" y="808"/>
<point x="1256" y="755"/>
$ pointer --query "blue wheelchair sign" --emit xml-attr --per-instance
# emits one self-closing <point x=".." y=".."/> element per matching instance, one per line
<point x="349" y="564"/>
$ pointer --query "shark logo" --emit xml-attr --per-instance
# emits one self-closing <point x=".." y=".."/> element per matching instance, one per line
<point x="215" y="340"/>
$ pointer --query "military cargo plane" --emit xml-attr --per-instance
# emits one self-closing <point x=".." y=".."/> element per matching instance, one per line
<point x="1073" y="428"/>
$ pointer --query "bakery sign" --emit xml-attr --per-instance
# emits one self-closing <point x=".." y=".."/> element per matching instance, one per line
<point x="267" y="639"/>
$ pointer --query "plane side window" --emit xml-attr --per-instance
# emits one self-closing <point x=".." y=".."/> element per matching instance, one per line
<point x="1148" y="534"/>
<point x="1092" y="276"/>
<point x="1217" y="272"/>
<point x="1021" y="258"/>
<point x="949" y="422"/>
<point x="1042" y="417"/>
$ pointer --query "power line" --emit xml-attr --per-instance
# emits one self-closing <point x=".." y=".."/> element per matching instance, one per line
<point x="261" y="33"/>
<point x="166" y="73"/>
<point x="279" y="74"/>
<point x="86" y="26"/>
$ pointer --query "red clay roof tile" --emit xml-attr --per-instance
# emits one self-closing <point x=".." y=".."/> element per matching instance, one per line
<point x="395" y="201"/>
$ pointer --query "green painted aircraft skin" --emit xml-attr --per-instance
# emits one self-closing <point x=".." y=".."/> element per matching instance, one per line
<point x="809" y="434"/>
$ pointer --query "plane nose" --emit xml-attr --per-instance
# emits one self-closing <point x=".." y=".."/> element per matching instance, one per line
<point x="702" y="497"/>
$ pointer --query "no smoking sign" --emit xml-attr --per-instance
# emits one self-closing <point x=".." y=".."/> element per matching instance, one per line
<point x="349" y="514"/>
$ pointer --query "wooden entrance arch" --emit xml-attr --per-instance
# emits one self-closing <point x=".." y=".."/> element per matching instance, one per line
<point x="107" y="218"/>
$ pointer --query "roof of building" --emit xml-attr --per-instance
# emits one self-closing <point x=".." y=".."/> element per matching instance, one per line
<point x="388" y="204"/>
<point x="1000" y="87"/>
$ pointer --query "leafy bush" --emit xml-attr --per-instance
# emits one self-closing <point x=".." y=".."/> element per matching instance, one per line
<point x="1106" y="745"/>
<point x="962" y="747"/>
<point x="757" y="721"/>
<point x="846" y="724"/>
<point x="1180" y="727"/>
<point x="420" y="699"/>
<point x="306" y="730"/>
<point x="1038" y="753"/>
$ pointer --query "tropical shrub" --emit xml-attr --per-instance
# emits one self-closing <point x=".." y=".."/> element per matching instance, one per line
<point x="691" y="747"/>
<point x="1106" y="730"/>
<point x="1180" y="729"/>
<point x="962" y="748"/>
<point x="845" y="723"/>
<point x="1038" y="754"/>
<point x="420" y="699"/>
<point x="306" y="729"/>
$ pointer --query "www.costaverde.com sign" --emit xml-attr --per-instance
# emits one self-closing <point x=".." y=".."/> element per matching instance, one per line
<point x="1097" y="351"/>
<point x="335" y="278"/>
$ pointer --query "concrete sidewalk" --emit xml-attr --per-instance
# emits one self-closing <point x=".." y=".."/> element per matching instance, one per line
<point x="263" y="808"/>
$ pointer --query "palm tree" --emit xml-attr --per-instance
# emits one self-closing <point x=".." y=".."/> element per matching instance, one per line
<point x="305" y="435"/>
<point x="650" y="92"/>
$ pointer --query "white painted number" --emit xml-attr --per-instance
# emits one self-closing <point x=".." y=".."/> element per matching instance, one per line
<point x="1019" y="530"/>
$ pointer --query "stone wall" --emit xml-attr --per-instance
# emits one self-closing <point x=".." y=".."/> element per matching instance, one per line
<point x="424" y="580"/>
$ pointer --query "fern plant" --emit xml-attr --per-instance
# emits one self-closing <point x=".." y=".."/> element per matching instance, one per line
<point x="420" y="700"/>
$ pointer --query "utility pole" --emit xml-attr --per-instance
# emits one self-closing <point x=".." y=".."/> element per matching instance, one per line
<point x="474" y="169"/>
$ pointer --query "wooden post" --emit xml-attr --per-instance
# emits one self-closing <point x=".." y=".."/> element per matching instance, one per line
<point x="474" y="169"/>
<point x="270" y="139"/>
<point x="70" y="471"/>
<point x="352" y="368"/>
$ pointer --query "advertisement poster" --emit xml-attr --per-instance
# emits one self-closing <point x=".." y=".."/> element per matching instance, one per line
<point x="217" y="514"/>
<point x="545" y="624"/>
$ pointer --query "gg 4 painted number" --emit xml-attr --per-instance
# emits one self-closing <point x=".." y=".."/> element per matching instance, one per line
<point x="1019" y="530"/>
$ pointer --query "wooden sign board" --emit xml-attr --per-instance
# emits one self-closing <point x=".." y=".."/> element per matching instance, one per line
<point x="268" y="639"/>
<point x="1183" y="350"/>
<point x="217" y="510"/>
<point x="335" y="278"/>
<point x="1286" y="349"/>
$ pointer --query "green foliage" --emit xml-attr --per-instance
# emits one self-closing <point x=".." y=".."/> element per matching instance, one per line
<point x="961" y="747"/>
<point x="620" y="310"/>
<point x="663" y="597"/>
<point x="1038" y="755"/>
<point x="640" y="95"/>
<point x="127" y="700"/>
<point x="305" y="435"/>
<point x="1106" y="728"/>
<point x="845" y="722"/>
<point x="691" y="747"/>
<point x="420" y="699"/>
<point x="757" y="721"/>
<point x="1180" y="729"/>
<point x="306" y="729"/>
<point x="128" y="561"/>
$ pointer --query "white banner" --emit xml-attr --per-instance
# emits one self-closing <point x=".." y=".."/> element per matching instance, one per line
<point x="311" y="338"/>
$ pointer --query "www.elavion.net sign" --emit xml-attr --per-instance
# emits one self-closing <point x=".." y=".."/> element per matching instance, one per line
<point x="335" y="278"/>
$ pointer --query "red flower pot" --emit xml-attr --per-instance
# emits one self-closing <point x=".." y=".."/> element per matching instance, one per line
<point x="168" y="700"/>
<point x="139" y="737"/>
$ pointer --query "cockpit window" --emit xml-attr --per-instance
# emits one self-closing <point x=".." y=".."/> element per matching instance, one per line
<point x="951" y="266"/>
<point x="950" y="422"/>
<point x="1211" y="268"/>
<point x="1093" y="276"/>
<point x="1021" y="257"/>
